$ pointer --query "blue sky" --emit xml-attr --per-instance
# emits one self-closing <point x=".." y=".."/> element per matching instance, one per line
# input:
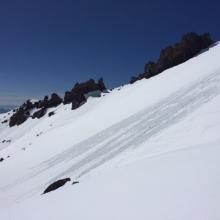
<point x="48" y="45"/>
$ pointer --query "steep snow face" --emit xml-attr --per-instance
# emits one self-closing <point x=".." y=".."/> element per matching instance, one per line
<point x="157" y="141"/>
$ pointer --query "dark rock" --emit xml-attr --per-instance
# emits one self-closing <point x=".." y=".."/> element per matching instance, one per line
<point x="1" y="159"/>
<point x="54" y="101"/>
<point x="78" y="100"/>
<point x="5" y="121"/>
<point x="37" y="104"/>
<point x="51" y="114"/>
<point x="18" y="118"/>
<point x="21" y="114"/>
<point x="190" y="45"/>
<point x="67" y="98"/>
<point x="75" y="182"/>
<point x="40" y="113"/>
<point x="56" y="185"/>
<point x="28" y="105"/>
<point x="101" y="85"/>
<point x="80" y="92"/>
<point x="44" y="104"/>
<point x="39" y="134"/>
<point x="77" y="96"/>
<point x="76" y="104"/>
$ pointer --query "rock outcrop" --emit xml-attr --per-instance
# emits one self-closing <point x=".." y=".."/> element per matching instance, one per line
<point x="19" y="117"/>
<point x="56" y="185"/>
<point x="54" y="101"/>
<point x="23" y="113"/>
<point x="77" y="96"/>
<point x="40" y="113"/>
<point x="190" y="45"/>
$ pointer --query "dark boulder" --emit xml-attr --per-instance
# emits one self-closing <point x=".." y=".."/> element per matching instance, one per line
<point x="75" y="182"/>
<point x="1" y="159"/>
<point x="42" y="103"/>
<point x="76" y="104"/>
<point x="40" y="113"/>
<point x="101" y="85"/>
<point x="18" y="118"/>
<point x="67" y="98"/>
<point x="78" y="100"/>
<point x="56" y="185"/>
<point x="28" y="105"/>
<point x="50" y="114"/>
<point x="37" y="104"/>
<point x="45" y="102"/>
<point x="54" y="101"/>
<point x="79" y="93"/>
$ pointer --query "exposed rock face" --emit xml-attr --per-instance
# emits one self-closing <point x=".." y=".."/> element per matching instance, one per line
<point x="67" y="98"/>
<point x="190" y="45"/>
<point x="28" y="105"/>
<point x="77" y="96"/>
<point x="18" y="118"/>
<point x="22" y="114"/>
<point x="56" y="185"/>
<point x="54" y="101"/>
<point x="40" y="113"/>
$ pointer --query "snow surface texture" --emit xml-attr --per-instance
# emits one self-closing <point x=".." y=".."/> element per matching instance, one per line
<point x="157" y="141"/>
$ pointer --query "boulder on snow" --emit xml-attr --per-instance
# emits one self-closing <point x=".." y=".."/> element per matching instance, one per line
<point x="51" y="114"/>
<point x="56" y="185"/>
<point x="1" y="159"/>
<point x="75" y="182"/>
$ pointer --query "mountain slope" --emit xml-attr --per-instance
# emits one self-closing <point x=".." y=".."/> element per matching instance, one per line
<point x="159" y="137"/>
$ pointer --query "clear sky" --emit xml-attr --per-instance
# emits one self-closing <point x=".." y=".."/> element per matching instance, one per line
<point x="48" y="45"/>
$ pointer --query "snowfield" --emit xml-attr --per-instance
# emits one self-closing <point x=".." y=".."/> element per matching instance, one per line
<point x="149" y="150"/>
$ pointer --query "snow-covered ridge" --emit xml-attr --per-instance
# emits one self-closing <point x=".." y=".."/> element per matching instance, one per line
<point x="173" y="116"/>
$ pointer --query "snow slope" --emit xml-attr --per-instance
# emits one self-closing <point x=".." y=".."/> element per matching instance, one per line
<point x="157" y="141"/>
